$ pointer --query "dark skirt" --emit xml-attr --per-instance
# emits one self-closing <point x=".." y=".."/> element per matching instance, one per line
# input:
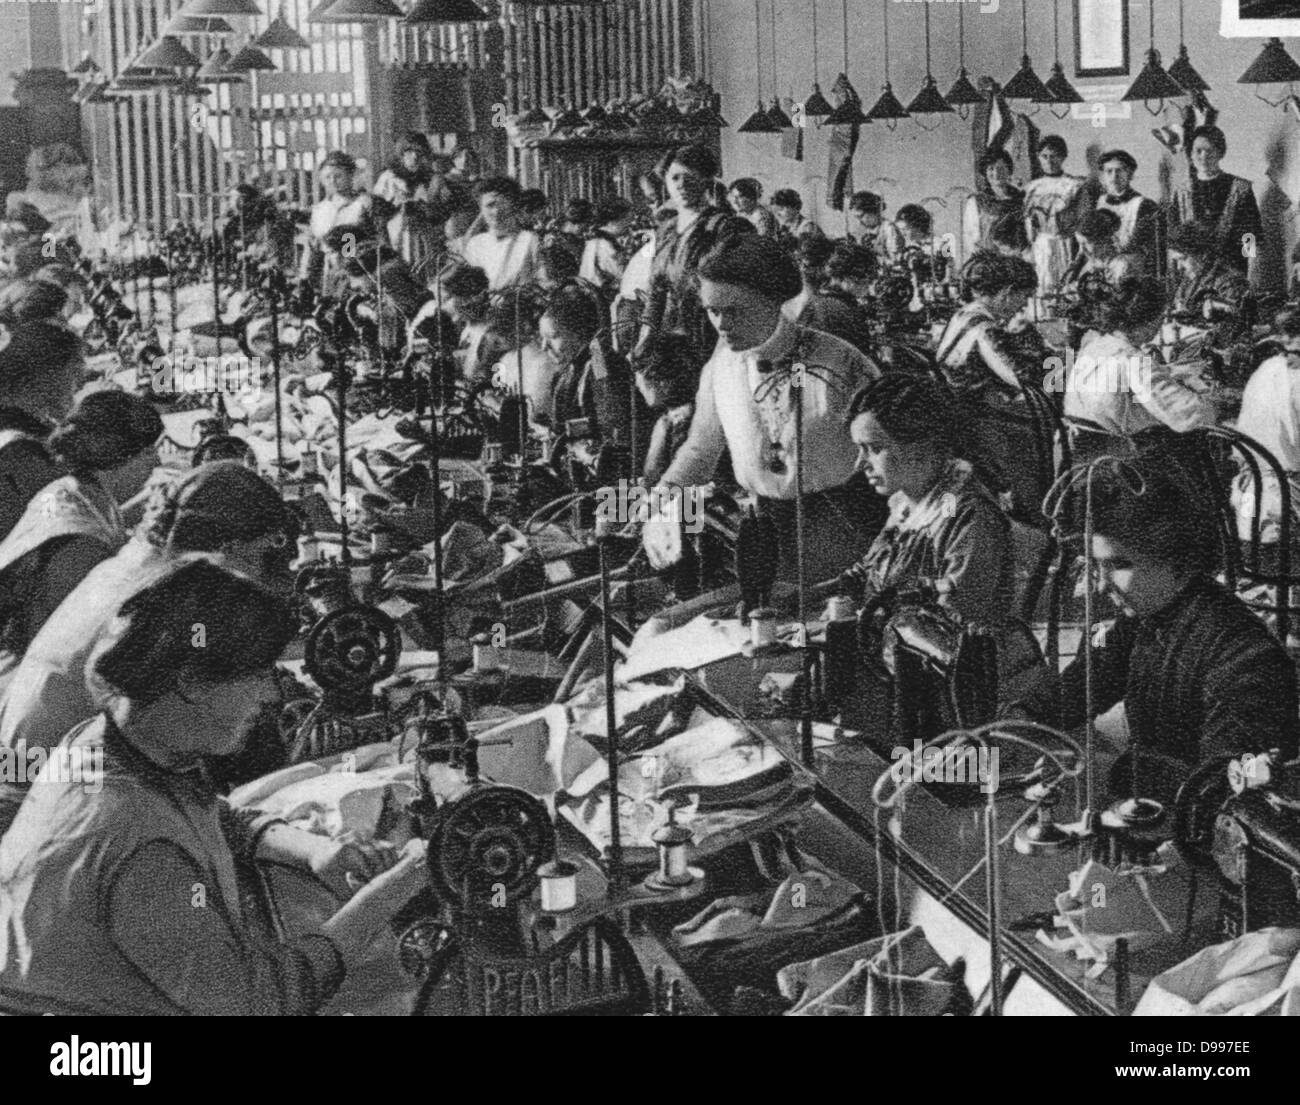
<point x="839" y="527"/>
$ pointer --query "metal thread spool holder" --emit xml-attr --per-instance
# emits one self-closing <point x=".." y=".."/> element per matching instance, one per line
<point x="674" y="872"/>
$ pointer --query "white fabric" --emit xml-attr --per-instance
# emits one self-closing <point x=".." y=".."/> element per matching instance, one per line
<point x="507" y="261"/>
<point x="1123" y="390"/>
<point x="600" y="263"/>
<point x="727" y="414"/>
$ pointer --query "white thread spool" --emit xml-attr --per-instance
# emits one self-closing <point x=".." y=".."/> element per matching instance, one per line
<point x="308" y="550"/>
<point x="559" y="880"/>
<point x="673" y="841"/>
<point x="485" y="656"/>
<point x="762" y="627"/>
<point x="381" y="542"/>
<point x="838" y="607"/>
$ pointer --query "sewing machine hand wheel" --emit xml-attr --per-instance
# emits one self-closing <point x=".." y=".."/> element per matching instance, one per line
<point x="1196" y="809"/>
<point x="488" y="842"/>
<point x="352" y="649"/>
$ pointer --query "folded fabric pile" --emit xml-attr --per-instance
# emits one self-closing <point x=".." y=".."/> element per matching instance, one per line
<point x="1255" y="975"/>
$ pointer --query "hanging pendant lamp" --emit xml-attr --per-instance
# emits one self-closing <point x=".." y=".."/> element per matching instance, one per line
<point x="1025" y="85"/>
<point x="249" y="60"/>
<point x="779" y="118"/>
<point x="214" y="70"/>
<point x="182" y="24"/>
<point x="1182" y="69"/>
<point x="357" y="11"/>
<point x="221" y="7"/>
<point x="928" y="101"/>
<point x="446" y="11"/>
<point x="86" y="66"/>
<point x="1063" y="93"/>
<point x="167" y="53"/>
<point x="1153" y="83"/>
<point x="887" y="109"/>
<point x="849" y="111"/>
<point x="280" y="36"/>
<point x="758" y="123"/>
<point x="1273" y="66"/>
<point x="963" y="95"/>
<point x="816" y="106"/>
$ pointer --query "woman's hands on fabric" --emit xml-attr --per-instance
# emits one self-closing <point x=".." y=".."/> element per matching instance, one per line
<point x="347" y="864"/>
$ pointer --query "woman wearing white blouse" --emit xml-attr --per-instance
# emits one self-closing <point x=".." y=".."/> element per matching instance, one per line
<point x="745" y="405"/>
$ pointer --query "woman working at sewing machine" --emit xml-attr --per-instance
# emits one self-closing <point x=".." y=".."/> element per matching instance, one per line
<point x="593" y="382"/>
<point x="989" y="365"/>
<point x="1211" y="292"/>
<point x="1199" y="674"/>
<point x="944" y="527"/>
<point x="745" y="404"/>
<point x="1120" y="396"/>
<point x="108" y="447"/>
<point x="122" y="898"/>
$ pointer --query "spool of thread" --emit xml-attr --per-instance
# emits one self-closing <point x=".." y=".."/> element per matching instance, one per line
<point x="673" y="840"/>
<point x="381" y="542"/>
<point x="838" y="607"/>
<point x="762" y="627"/>
<point x="310" y="463"/>
<point x="308" y="550"/>
<point x="485" y="656"/>
<point x="559" y="880"/>
<point x="492" y="453"/>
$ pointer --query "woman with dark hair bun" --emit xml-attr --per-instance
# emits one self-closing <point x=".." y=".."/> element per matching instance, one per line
<point x="98" y="883"/>
<point x="745" y="195"/>
<point x="944" y="528"/>
<point x="41" y="367"/>
<point x="991" y="362"/>
<point x="108" y="447"/>
<point x="673" y="305"/>
<point x="833" y="313"/>
<point x="1120" y="396"/>
<point x="1199" y="674"/>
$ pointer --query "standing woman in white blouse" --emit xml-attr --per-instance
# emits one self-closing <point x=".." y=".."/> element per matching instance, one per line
<point x="745" y="404"/>
<point x="342" y="205"/>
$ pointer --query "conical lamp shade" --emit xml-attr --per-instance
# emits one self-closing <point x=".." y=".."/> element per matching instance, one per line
<point x="87" y="64"/>
<point x="214" y="69"/>
<point x="779" y="118"/>
<point x="847" y="114"/>
<point x="817" y="106"/>
<point x="533" y="117"/>
<point x="1273" y="66"/>
<point x="1153" y="83"/>
<point x="358" y="11"/>
<point x="758" y="123"/>
<point x="1185" y="74"/>
<point x="1063" y="92"/>
<point x="929" y="101"/>
<point x="280" y="36"/>
<point x="446" y="11"/>
<point x="963" y="92"/>
<point x="1025" y="85"/>
<point x="182" y="24"/>
<point x="707" y="118"/>
<point x="887" y="107"/>
<point x="248" y="59"/>
<point x="221" y="7"/>
<point x="167" y="53"/>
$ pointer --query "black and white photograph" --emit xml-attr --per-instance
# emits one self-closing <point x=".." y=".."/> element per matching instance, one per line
<point x="679" y="508"/>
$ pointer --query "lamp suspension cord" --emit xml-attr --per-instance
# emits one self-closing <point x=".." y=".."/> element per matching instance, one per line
<point x="814" y="8"/>
<point x="758" y="48"/>
<point x="775" y="95"/>
<point x="887" y="39"/>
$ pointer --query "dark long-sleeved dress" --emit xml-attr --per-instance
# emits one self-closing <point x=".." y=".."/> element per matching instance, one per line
<point x="1203" y="677"/>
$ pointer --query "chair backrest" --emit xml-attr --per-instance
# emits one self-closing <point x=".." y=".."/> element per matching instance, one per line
<point x="1253" y="561"/>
